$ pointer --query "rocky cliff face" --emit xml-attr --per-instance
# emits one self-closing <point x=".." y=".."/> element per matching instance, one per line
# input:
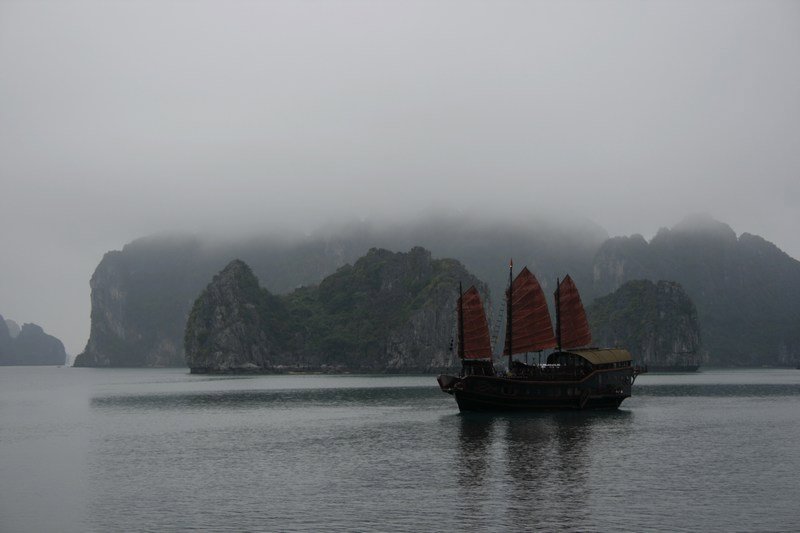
<point x="619" y="260"/>
<point x="13" y="328"/>
<point x="30" y="346"/>
<point x="422" y="342"/>
<point x="141" y="298"/>
<point x="6" y="351"/>
<point x="35" y="347"/>
<point x="386" y="312"/>
<point x="232" y="325"/>
<point x="656" y="322"/>
<point x="142" y="295"/>
<point x="746" y="290"/>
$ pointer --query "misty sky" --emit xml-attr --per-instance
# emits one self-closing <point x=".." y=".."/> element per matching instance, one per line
<point x="119" y="119"/>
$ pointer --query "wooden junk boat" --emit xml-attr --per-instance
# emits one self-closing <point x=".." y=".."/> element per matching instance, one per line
<point x="574" y="376"/>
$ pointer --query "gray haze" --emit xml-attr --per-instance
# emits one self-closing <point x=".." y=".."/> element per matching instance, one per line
<point x="119" y="119"/>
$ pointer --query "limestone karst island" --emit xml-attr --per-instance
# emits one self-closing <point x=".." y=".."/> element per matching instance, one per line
<point x="695" y="294"/>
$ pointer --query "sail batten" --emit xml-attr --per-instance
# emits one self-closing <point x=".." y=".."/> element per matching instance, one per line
<point x="474" y="330"/>
<point x="532" y="329"/>
<point x="573" y="326"/>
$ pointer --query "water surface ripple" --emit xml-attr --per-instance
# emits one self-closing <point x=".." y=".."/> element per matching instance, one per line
<point x="156" y="450"/>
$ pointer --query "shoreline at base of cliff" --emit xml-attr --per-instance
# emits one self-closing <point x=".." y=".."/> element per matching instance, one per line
<point x="294" y="371"/>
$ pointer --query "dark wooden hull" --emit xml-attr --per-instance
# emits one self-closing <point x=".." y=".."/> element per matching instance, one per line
<point x="602" y="389"/>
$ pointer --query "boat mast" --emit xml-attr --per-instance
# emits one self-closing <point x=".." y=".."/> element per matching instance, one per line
<point x="508" y="314"/>
<point x="460" y="322"/>
<point x="558" y="315"/>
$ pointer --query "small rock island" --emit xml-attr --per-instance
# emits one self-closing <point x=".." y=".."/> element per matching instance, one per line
<point x="657" y="322"/>
<point x="28" y="345"/>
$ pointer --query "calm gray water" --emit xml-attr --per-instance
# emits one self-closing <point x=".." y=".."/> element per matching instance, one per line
<point x="159" y="450"/>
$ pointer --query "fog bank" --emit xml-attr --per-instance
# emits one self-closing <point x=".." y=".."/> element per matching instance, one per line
<point x="122" y="119"/>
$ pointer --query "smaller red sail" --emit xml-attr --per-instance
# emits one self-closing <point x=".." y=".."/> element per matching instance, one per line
<point x="531" y="328"/>
<point x="474" y="330"/>
<point x="572" y="317"/>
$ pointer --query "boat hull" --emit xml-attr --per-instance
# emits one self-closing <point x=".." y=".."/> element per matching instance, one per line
<point x="598" y="390"/>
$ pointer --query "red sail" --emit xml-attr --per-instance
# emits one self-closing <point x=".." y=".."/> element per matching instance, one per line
<point x="574" y="326"/>
<point x="531" y="328"/>
<point x="475" y="343"/>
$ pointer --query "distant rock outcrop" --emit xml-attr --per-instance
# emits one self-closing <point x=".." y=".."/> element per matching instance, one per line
<point x="656" y="322"/>
<point x="141" y="298"/>
<point x="13" y="328"/>
<point x="6" y="350"/>
<point x="142" y="295"/>
<point x="747" y="291"/>
<point x="31" y="346"/>
<point x="35" y="347"/>
<point x="388" y="312"/>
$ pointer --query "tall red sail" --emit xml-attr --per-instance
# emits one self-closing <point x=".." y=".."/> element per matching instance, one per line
<point x="531" y="327"/>
<point x="474" y="333"/>
<point x="572" y="317"/>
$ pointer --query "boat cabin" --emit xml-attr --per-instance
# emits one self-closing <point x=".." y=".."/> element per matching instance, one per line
<point x="591" y="358"/>
<point x="477" y="367"/>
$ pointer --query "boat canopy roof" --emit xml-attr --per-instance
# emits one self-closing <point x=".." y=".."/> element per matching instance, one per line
<point x="603" y="356"/>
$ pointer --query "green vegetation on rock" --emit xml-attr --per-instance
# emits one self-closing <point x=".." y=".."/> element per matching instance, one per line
<point x="142" y="294"/>
<point x="746" y="290"/>
<point x="386" y="312"/>
<point x="656" y="322"/>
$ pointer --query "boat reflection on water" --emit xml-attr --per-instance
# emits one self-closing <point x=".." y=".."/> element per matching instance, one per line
<point x="474" y="437"/>
<point x="544" y="457"/>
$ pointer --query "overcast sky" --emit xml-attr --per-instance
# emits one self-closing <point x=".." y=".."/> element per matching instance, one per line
<point x="119" y="119"/>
